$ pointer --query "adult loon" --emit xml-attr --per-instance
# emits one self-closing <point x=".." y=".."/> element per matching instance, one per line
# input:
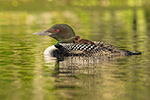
<point x="66" y="45"/>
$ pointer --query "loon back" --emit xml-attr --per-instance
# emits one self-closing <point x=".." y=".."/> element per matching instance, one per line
<point x="100" y="49"/>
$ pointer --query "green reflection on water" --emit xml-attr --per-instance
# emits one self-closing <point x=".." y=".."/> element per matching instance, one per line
<point x="24" y="74"/>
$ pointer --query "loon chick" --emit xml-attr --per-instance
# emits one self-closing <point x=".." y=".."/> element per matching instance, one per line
<point x="77" y="39"/>
<point x="64" y="34"/>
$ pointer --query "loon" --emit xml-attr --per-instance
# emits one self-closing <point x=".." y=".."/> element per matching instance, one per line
<point x="77" y="39"/>
<point x="68" y="44"/>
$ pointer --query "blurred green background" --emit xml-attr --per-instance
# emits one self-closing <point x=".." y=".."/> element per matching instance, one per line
<point x="24" y="75"/>
<point x="94" y="19"/>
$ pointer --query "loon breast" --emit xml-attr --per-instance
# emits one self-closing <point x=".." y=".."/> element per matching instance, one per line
<point x="50" y="50"/>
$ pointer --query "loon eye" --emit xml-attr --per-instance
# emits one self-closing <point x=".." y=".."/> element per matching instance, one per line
<point x="57" y="30"/>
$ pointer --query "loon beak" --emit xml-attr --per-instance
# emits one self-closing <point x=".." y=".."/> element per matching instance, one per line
<point x="43" y="33"/>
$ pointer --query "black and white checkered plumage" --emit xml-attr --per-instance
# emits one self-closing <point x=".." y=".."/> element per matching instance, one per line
<point x="80" y="47"/>
<point x="100" y="48"/>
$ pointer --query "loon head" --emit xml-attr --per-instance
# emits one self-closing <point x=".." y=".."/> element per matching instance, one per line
<point x="63" y="33"/>
<point x="76" y="39"/>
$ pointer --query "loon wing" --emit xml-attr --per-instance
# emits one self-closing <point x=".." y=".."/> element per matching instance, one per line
<point x="100" y="48"/>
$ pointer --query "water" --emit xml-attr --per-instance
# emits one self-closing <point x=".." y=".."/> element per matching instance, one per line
<point x="26" y="75"/>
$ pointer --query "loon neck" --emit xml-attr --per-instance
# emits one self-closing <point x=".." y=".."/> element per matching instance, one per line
<point x="58" y="45"/>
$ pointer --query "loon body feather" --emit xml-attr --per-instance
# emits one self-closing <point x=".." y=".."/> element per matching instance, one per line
<point x="100" y="48"/>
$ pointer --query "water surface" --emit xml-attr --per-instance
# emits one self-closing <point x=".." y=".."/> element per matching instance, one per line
<point x="26" y="75"/>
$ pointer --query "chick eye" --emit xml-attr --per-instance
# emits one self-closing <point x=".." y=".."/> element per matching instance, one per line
<point x="57" y="30"/>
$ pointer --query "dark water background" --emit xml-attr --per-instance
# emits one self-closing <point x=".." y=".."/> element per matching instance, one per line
<point x="25" y="75"/>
